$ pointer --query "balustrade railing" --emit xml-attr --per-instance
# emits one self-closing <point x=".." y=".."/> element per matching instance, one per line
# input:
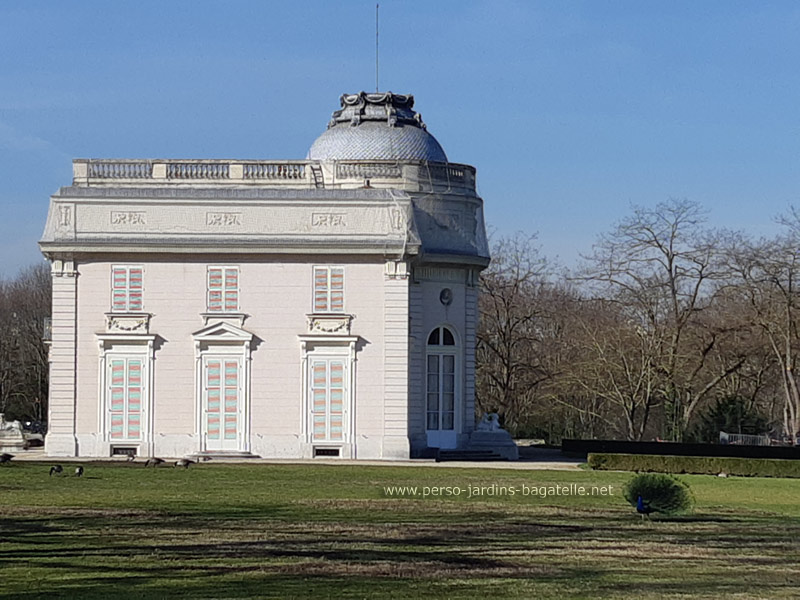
<point x="120" y="169"/>
<point x="447" y="172"/>
<point x="368" y="170"/>
<point x="407" y="175"/>
<point x="270" y="171"/>
<point x="198" y="170"/>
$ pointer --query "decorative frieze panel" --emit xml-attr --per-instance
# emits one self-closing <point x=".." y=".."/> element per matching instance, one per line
<point x="397" y="219"/>
<point x="128" y="323"/>
<point x="223" y="219"/>
<point x="329" y="324"/>
<point x="128" y="218"/>
<point x="256" y="220"/>
<point x="64" y="215"/>
<point x="328" y="220"/>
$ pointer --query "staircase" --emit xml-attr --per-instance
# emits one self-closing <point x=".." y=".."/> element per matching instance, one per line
<point x="469" y="455"/>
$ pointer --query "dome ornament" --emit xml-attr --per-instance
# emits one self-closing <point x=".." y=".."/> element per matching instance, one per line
<point x="376" y="126"/>
<point x="391" y="108"/>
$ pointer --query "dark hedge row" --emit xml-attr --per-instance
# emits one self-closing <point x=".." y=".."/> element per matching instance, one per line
<point x="585" y="447"/>
<point x="701" y="465"/>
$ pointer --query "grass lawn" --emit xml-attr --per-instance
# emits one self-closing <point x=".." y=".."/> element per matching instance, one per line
<point x="248" y="531"/>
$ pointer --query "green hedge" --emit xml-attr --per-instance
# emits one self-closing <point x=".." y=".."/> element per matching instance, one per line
<point x="702" y="465"/>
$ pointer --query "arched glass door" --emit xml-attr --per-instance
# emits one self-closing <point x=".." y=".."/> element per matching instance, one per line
<point x="441" y="388"/>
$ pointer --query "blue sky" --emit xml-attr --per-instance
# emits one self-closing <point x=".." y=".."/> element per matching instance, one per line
<point x="571" y="111"/>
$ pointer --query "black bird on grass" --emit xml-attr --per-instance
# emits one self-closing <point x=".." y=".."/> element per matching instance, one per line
<point x="57" y="469"/>
<point x="184" y="462"/>
<point x="79" y="471"/>
<point x="153" y="461"/>
<point x="643" y="508"/>
<point x="4" y="458"/>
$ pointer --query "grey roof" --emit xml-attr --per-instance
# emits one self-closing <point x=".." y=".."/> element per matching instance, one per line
<point x="376" y="127"/>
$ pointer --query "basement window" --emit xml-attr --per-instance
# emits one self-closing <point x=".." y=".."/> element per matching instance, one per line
<point x="124" y="451"/>
<point x="326" y="452"/>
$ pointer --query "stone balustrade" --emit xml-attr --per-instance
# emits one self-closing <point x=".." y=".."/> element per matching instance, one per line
<point x="299" y="174"/>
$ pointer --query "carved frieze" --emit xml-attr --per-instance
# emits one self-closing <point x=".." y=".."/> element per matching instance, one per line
<point x="329" y="324"/>
<point x="126" y="217"/>
<point x="64" y="215"/>
<point x="128" y="323"/>
<point x="397" y="219"/>
<point x="328" y="220"/>
<point x="223" y="219"/>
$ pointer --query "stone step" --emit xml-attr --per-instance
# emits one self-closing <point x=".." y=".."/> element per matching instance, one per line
<point x="201" y="456"/>
<point x="469" y="455"/>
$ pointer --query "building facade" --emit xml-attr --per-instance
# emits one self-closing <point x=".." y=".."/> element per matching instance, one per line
<point x="287" y="309"/>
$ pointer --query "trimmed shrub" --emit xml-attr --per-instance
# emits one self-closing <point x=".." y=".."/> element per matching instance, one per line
<point x="665" y="494"/>
<point x="698" y="465"/>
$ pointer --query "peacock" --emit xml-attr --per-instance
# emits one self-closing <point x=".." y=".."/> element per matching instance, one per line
<point x="643" y="508"/>
<point x="658" y="493"/>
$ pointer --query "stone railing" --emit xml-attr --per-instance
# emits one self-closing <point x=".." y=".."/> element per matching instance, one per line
<point x="274" y="171"/>
<point x="198" y="170"/>
<point x="368" y="170"/>
<point x="118" y="169"/>
<point x="410" y="176"/>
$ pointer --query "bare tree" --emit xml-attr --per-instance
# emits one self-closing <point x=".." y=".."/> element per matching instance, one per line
<point x="659" y="265"/>
<point x="24" y="306"/>
<point x="767" y="281"/>
<point x="509" y="355"/>
<point x="615" y="363"/>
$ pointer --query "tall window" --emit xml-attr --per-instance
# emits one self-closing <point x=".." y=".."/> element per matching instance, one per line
<point x="328" y="289"/>
<point x="223" y="289"/>
<point x="125" y="399"/>
<point x="222" y="399"/>
<point x="441" y="379"/>
<point x="327" y="396"/>
<point x="126" y="289"/>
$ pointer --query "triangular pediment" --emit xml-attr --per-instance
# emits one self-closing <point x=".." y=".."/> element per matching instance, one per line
<point x="222" y="331"/>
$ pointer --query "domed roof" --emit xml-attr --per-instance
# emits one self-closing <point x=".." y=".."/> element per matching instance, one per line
<point x="376" y="127"/>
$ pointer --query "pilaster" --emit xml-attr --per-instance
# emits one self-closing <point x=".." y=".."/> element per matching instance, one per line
<point x="470" y="327"/>
<point x="60" y="439"/>
<point x="395" y="360"/>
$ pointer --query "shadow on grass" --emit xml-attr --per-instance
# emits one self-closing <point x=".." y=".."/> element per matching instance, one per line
<point x="282" y="551"/>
